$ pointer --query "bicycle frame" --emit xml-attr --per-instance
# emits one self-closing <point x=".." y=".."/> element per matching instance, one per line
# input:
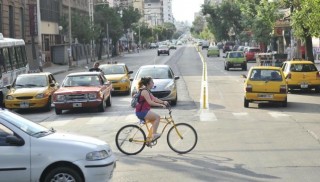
<point x="167" y="120"/>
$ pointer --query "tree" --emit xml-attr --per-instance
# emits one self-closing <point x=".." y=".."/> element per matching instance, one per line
<point x="129" y="17"/>
<point x="305" y="18"/>
<point x="107" y="20"/>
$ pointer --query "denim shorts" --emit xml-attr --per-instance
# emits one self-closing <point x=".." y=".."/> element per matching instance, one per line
<point x="142" y="115"/>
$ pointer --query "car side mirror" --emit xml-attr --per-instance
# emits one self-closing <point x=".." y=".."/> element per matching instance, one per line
<point x="243" y="76"/>
<point x="130" y="72"/>
<point x="131" y="79"/>
<point x="176" y="77"/>
<point x="13" y="140"/>
<point x="52" y="84"/>
<point x="224" y="56"/>
<point x="8" y="86"/>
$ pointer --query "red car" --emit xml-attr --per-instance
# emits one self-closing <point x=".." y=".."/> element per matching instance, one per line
<point x="83" y="90"/>
<point x="250" y="54"/>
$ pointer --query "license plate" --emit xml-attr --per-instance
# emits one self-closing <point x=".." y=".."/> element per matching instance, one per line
<point x="304" y="85"/>
<point x="237" y="64"/>
<point x="24" y="104"/>
<point x="77" y="104"/>
<point x="265" y="96"/>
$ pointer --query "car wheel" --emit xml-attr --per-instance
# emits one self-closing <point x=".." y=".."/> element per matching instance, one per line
<point x="158" y="54"/>
<point x="58" y="111"/>
<point x="227" y="67"/>
<point x="284" y="103"/>
<point x="317" y="89"/>
<point x="207" y="55"/>
<point x="102" y="107"/>
<point x="174" y="102"/>
<point x="63" y="174"/>
<point x="168" y="54"/>
<point x="246" y="103"/>
<point x="109" y="100"/>
<point x="48" y="105"/>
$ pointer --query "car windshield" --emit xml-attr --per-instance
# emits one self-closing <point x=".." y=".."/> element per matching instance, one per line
<point x="31" y="81"/>
<point x="236" y="55"/>
<point x="112" y="69"/>
<point x="265" y="75"/>
<point x="24" y="124"/>
<point x="254" y="50"/>
<point x="163" y="46"/>
<point x="303" y="68"/>
<point x="82" y="80"/>
<point x="213" y="48"/>
<point x="155" y="73"/>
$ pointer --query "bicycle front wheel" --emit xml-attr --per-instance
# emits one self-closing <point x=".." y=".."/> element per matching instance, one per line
<point x="182" y="138"/>
<point x="130" y="139"/>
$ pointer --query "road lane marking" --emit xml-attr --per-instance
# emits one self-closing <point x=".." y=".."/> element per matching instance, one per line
<point x="278" y="114"/>
<point x="204" y="104"/>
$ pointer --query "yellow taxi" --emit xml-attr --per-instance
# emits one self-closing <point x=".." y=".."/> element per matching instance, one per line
<point x="119" y="75"/>
<point x="33" y="90"/>
<point x="301" y="74"/>
<point x="265" y="84"/>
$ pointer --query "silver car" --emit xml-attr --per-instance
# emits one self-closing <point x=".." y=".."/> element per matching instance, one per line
<point x="165" y="87"/>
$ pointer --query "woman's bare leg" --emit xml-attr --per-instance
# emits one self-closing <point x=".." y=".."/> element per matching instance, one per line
<point x="154" y="119"/>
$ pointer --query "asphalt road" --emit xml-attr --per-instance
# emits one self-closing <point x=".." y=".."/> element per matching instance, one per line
<point x="265" y="142"/>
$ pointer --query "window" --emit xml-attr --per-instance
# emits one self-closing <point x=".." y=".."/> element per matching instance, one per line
<point x="13" y="58"/>
<point x="7" y="62"/>
<point x="4" y="132"/>
<point x="11" y="22"/>
<point x="22" y="23"/>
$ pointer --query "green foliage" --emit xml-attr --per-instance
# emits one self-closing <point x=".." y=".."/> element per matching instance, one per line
<point x="130" y="16"/>
<point x="81" y="27"/>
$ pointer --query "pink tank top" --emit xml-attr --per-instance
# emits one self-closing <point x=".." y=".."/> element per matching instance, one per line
<point x="143" y="104"/>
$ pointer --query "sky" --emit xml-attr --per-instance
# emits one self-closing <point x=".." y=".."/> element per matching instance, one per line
<point x="183" y="10"/>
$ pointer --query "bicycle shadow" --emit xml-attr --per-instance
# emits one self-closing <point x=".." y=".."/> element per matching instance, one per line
<point x="197" y="167"/>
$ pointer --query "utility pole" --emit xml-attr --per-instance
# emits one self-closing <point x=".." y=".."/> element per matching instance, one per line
<point x="92" y="23"/>
<point x="70" y="36"/>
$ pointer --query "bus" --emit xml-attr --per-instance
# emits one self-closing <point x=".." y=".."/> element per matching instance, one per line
<point x="13" y="61"/>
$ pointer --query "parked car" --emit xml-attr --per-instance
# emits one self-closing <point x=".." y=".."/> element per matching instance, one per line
<point x="301" y="74"/>
<point x="165" y="86"/>
<point x="265" y="83"/>
<point x="228" y="46"/>
<point x="250" y="53"/>
<point x="83" y="90"/>
<point x="31" y="152"/>
<point x="173" y="46"/>
<point x="163" y="49"/>
<point x="33" y="90"/>
<point x="153" y="46"/>
<point x="213" y="51"/>
<point x="235" y="59"/>
<point x="119" y="75"/>
<point x="205" y="44"/>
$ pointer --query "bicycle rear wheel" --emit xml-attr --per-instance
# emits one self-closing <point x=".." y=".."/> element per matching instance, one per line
<point x="186" y="141"/>
<point x="130" y="139"/>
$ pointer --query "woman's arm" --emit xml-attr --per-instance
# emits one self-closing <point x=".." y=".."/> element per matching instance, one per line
<point x="152" y="101"/>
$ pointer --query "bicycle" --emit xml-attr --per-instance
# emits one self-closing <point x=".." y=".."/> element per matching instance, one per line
<point x="181" y="137"/>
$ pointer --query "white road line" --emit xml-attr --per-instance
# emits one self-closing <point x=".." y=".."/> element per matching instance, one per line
<point x="240" y="114"/>
<point x="278" y="114"/>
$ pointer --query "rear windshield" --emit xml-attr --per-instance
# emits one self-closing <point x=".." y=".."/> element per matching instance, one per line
<point x="303" y="68"/>
<point x="254" y="50"/>
<point x="265" y="75"/>
<point x="236" y="55"/>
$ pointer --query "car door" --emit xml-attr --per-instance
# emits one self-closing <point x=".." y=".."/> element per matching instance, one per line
<point x="15" y="160"/>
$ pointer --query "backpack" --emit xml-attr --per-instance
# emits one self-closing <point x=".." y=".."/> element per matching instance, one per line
<point x="135" y="99"/>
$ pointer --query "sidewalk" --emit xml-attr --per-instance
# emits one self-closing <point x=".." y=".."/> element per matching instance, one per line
<point x="57" y="69"/>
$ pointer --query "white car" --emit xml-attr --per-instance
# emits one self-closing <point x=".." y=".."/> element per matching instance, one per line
<point x="31" y="152"/>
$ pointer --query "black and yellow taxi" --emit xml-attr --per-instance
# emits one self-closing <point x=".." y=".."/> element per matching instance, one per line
<point x="119" y="75"/>
<point x="302" y="75"/>
<point x="265" y="84"/>
<point x="32" y="90"/>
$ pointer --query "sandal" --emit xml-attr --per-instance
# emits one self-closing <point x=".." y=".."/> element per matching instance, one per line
<point x="156" y="136"/>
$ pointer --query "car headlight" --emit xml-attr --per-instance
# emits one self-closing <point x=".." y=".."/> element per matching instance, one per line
<point x="97" y="155"/>
<point x="92" y="95"/>
<point x="60" y="98"/>
<point x="170" y="86"/>
<point x="124" y="80"/>
<point x="9" y="97"/>
<point x="40" y="96"/>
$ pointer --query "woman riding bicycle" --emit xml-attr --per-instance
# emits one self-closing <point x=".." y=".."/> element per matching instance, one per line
<point x="146" y="100"/>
